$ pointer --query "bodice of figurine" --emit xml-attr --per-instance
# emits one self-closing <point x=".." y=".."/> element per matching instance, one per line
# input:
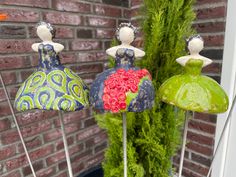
<point x="193" y="67"/>
<point x="48" y="58"/>
<point x="124" y="58"/>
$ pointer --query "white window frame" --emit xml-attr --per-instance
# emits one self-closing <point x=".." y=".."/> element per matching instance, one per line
<point x="225" y="162"/>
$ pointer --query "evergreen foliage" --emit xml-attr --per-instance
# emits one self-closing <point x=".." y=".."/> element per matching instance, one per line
<point x="154" y="135"/>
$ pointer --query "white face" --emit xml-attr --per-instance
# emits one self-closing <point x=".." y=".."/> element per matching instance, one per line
<point x="195" y="46"/>
<point x="44" y="33"/>
<point x="126" y="35"/>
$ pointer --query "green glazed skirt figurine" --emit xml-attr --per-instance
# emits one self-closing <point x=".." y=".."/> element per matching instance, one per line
<point x="191" y="90"/>
<point x="52" y="86"/>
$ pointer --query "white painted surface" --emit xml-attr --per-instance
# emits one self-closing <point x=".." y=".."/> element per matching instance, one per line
<point x="225" y="162"/>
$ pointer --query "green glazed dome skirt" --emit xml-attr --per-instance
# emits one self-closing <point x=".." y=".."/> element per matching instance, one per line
<point x="57" y="89"/>
<point x="194" y="92"/>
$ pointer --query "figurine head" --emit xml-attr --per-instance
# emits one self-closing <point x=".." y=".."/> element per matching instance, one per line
<point x="126" y="33"/>
<point x="195" y="44"/>
<point x="45" y="31"/>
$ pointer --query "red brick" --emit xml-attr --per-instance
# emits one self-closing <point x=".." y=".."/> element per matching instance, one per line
<point x="30" y="3"/>
<point x="5" y="124"/>
<point x="25" y="74"/>
<point x="202" y="127"/>
<point x="85" y="45"/>
<point x="12" y="92"/>
<point x="103" y="33"/>
<point x="210" y="27"/>
<point x="78" y="168"/>
<point x="91" y="56"/>
<point x="205" y="117"/>
<point x="88" y="69"/>
<point x="59" y="144"/>
<point x="73" y="127"/>
<point x="101" y="22"/>
<point x="100" y="147"/>
<point x="4" y="109"/>
<point x="16" y="162"/>
<point x="34" y="116"/>
<point x="89" y="122"/>
<point x="216" y="40"/>
<point x="13" y="174"/>
<point x="19" y="46"/>
<point x="71" y="6"/>
<point x="9" y="77"/>
<point x="6" y="152"/>
<point x="88" y="133"/>
<point x="36" y="128"/>
<point x="14" y="62"/>
<point x="213" y="68"/>
<point x="64" y="33"/>
<point x="12" y="31"/>
<point x="94" y="160"/>
<point x="188" y="173"/>
<point x="75" y="149"/>
<point x="201" y="160"/>
<point x="63" y="174"/>
<point x="37" y="166"/>
<point x="62" y="18"/>
<point x="46" y="172"/>
<point x="10" y="136"/>
<point x="201" y="139"/>
<point x="107" y="11"/>
<point x="82" y="156"/>
<point x="52" y="135"/>
<point x="127" y="14"/>
<point x="85" y="33"/>
<point x="75" y="116"/>
<point x="55" y="158"/>
<point x="136" y="2"/>
<point x="196" y="167"/>
<point x="16" y="15"/>
<point x="199" y="149"/>
<point x="41" y="152"/>
<point x="31" y="144"/>
<point x="135" y="12"/>
<point x="2" y="95"/>
<point x="209" y="1"/>
<point x="210" y="13"/>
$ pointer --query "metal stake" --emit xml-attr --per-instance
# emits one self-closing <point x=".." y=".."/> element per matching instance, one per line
<point x="66" y="146"/>
<point x="222" y="135"/>
<point x="17" y="126"/>
<point x="183" y="145"/>
<point x="125" y="143"/>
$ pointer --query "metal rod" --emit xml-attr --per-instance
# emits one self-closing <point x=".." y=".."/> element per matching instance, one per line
<point x="66" y="146"/>
<point x="17" y="126"/>
<point x="183" y="145"/>
<point x="125" y="143"/>
<point x="222" y="135"/>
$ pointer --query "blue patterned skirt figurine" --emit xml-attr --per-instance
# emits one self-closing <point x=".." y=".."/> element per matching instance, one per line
<point x="124" y="87"/>
<point x="52" y="86"/>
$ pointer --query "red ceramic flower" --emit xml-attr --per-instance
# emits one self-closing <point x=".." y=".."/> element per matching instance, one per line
<point x="117" y="85"/>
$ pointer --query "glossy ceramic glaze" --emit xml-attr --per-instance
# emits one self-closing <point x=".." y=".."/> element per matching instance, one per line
<point x="52" y="86"/>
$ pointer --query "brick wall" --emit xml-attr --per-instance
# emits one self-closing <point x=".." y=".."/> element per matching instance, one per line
<point x="210" y="23"/>
<point x="85" y="27"/>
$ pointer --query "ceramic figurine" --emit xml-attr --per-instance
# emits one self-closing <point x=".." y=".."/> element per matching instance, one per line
<point x="52" y="86"/>
<point x="124" y="87"/>
<point x="191" y="90"/>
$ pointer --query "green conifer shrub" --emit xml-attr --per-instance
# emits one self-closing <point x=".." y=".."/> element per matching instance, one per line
<point x="154" y="135"/>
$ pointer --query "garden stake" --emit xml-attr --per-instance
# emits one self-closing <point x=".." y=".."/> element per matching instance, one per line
<point x="222" y="135"/>
<point x="65" y="145"/>
<point x="17" y="126"/>
<point x="125" y="143"/>
<point x="183" y="144"/>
